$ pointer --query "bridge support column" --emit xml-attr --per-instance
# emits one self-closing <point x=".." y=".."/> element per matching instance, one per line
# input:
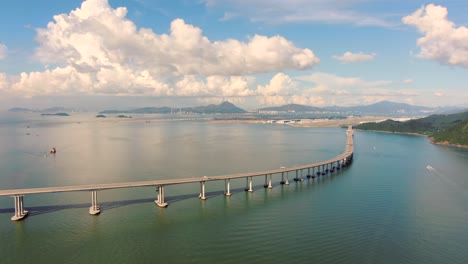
<point x="266" y="181"/>
<point x="202" y="192"/>
<point x="20" y="213"/>
<point x="296" y="178"/>
<point x="287" y="178"/>
<point x="269" y="182"/>
<point x="308" y="173"/>
<point x="227" y="184"/>
<point x="250" y="184"/>
<point x="282" y="178"/>
<point x="95" y="208"/>
<point x="160" y="198"/>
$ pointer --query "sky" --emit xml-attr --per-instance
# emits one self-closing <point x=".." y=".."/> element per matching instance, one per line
<point x="101" y="54"/>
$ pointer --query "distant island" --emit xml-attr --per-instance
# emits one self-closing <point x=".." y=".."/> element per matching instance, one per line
<point x="223" y="108"/>
<point x="451" y="129"/>
<point x="55" y="114"/>
<point x="101" y="116"/>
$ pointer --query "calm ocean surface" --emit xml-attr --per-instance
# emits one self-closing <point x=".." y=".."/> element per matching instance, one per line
<point x="387" y="207"/>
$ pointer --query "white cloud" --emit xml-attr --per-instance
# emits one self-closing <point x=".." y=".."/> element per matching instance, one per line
<point x="339" y="90"/>
<point x="328" y="81"/>
<point x="319" y="89"/>
<point x="302" y="11"/>
<point x="349" y="57"/>
<point x="190" y="85"/>
<point x="3" y="51"/>
<point x="4" y="82"/>
<point x="228" y="16"/>
<point x="95" y="49"/>
<point x="442" y="40"/>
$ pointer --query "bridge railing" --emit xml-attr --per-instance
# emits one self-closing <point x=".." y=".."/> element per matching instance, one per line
<point x="318" y="169"/>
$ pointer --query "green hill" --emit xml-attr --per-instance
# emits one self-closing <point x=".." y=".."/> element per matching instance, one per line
<point x="456" y="135"/>
<point x="451" y="129"/>
<point x="223" y="108"/>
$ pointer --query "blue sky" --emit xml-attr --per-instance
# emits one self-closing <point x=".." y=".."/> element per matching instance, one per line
<point x="98" y="54"/>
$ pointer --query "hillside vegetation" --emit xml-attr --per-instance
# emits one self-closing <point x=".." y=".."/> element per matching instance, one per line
<point x="447" y="129"/>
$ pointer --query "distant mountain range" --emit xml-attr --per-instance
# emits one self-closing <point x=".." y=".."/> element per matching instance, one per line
<point x="223" y="108"/>
<point x="291" y="108"/>
<point x="46" y="110"/>
<point x="446" y="129"/>
<point x="384" y="108"/>
<point x="380" y="108"/>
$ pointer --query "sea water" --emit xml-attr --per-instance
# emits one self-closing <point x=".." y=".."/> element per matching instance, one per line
<point x="387" y="207"/>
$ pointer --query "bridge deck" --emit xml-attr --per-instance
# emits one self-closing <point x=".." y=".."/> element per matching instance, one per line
<point x="348" y="151"/>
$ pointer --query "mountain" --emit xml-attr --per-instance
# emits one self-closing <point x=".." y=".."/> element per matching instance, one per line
<point x="292" y="108"/>
<point x="384" y="108"/>
<point x="145" y="110"/>
<point x="46" y="110"/>
<point x="55" y="114"/>
<point x="223" y="108"/>
<point x="451" y="129"/>
<point x="455" y="135"/>
<point x="19" y="110"/>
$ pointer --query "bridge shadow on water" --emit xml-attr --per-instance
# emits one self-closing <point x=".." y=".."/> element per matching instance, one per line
<point x="39" y="210"/>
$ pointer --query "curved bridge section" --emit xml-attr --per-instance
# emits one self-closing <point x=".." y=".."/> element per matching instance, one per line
<point x="313" y="171"/>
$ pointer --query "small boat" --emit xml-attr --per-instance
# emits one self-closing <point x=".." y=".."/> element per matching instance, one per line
<point x="53" y="150"/>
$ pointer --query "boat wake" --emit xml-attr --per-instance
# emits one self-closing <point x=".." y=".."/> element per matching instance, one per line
<point x="446" y="180"/>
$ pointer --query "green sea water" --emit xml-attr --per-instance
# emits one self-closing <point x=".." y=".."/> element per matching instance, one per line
<point x="387" y="207"/>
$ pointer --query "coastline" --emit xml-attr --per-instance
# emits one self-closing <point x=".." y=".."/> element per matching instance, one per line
<point x="212" y="120"/>
<point x="431" y="139"/>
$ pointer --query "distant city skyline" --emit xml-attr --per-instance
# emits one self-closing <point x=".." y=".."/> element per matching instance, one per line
<point x="98" y="54"/>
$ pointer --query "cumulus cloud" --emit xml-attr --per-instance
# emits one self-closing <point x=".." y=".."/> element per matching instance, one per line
<point x="3" y="51"/>
<point x="325" y="82"/>
<point x="442" y="40"/>
<point x="4" y="82"/>
<point x="334" y="89"/>
<point x="349" y="57"/>
<point x="95" y="49"/>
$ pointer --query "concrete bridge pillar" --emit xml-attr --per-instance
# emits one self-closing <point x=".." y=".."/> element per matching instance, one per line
<point x="227" y="184"/>
<point x="266" y="181"/>
<point x="20" y="213"/>
<point x="269" y="182"/>
<point x="160" y="198"/>
<point x="251" y="184"/>
<point x="287" y="178"/>
<point x="296" y="178"/>
<point x="95" y="208"/>
<point x="202" y="191"/>
<point x="282" y="178"/>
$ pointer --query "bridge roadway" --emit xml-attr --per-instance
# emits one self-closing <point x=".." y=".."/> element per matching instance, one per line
<point x="326" y="166"/>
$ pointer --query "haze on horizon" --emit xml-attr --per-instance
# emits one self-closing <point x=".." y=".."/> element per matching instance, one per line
<point x="100" y="54"/>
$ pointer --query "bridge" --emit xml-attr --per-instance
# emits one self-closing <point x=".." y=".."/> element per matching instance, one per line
<point x="313" y="170"/>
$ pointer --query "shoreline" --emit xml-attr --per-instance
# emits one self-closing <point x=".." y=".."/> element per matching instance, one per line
<point x="431" y="139"/>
